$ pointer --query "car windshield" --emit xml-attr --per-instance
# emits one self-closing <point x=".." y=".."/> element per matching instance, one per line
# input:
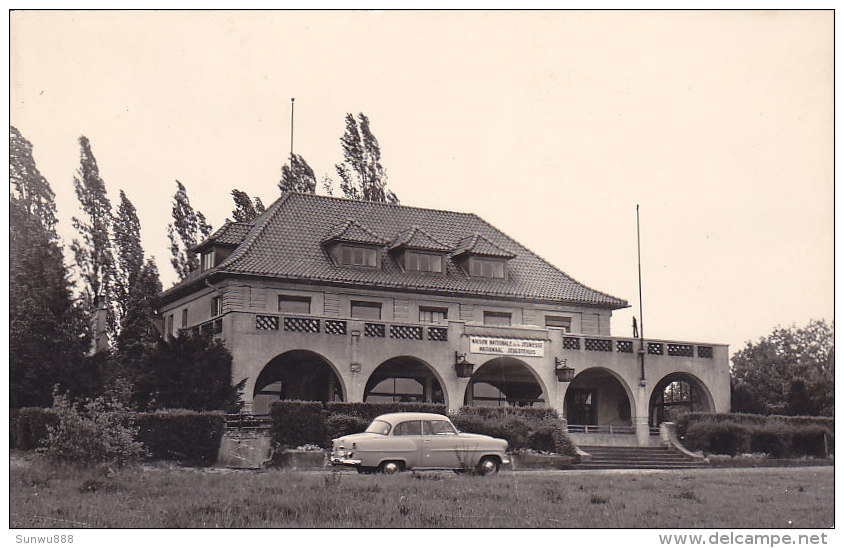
<point x="379" y="427"/>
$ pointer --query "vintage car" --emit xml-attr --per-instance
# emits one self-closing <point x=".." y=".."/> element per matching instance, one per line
<point x="418" y="441"/>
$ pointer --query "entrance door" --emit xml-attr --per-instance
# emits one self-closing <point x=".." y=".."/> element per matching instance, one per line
<point x="581" y="406"/>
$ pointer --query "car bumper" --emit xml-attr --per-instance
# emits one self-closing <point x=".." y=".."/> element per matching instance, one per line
<point x="340" y="461"/>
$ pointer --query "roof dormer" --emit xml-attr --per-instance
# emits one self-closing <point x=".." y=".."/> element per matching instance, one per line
<point x="417" y="251"/>
<point x="481" y="258"/>
<point x="218" y="246"/>
<point x="352" y="244"/>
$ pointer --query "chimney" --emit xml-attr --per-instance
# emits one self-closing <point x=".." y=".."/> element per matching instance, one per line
<point x="99" y="323"/>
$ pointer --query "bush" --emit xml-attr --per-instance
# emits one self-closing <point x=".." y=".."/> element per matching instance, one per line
<point x="342" y="425"/>
<point x="29" y="428"/>
<point x="537" y="431"/>
<point x="93" y="432"/>
<point x="773" y="438"/>
<point x="298" y="423"/>
<point x="812" y="440"/>
<point x="369" y="411"/>
<point x="722" y="437"/>
<point x="189" y="437"/>
<point x="528" y="412"/>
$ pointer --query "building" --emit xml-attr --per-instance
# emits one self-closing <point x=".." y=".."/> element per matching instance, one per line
<point x="331" y="299"/>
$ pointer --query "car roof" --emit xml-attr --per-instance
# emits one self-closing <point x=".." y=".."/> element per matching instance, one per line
<point x="394" y="418"/>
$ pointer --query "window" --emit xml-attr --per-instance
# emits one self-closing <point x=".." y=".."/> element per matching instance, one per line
<point x="294" y="304"/>
<point x="422" y="262"/>
<point x="562" y="322"/>
<point x="486" y="268"/>
<point x="496" y="318"/>
<point x="207" y="260"/>
<point x="437" y="428"/>
<point x="216" y="306"/>
<point x="366" y="310"/>
<point x="358" y="256"/>
<point x="184" y="317"/>
<point x="432" y="315"/>
<point x="408" y="428"/>
<point x="168" y="329"/>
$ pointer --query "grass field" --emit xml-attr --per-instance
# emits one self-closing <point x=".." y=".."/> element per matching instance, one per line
<point x="49" y="496"/>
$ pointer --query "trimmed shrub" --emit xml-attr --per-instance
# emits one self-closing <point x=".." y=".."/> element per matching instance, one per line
<point x="92" y="432"/>
<point x="811" y="440"/>
<point x="29" y="429"/>
<point x="550" y="435"/>
<point x="537" y="431"/>
<point x="298" y="423"/>
<point x="342" y="425"/>
<point x="528" y="412"/>
<point x="188" y="437"/>
<point x="369" y="411"/>
<point x="773" y="438"/>
<point x="723" y="437"/>
<point x="750" y="419"/>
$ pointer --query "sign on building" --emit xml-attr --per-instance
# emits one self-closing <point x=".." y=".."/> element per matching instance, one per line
<point x="507" y="347"/>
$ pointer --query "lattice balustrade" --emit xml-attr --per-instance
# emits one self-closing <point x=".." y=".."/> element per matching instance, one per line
<point x="704" y="352"/>
<point x="686" y="350"/>
<point x="437" y="333"/>
<point x="413" y="332"/>
<point x="624" y="346"/>
<point x="335" y="327"/>
<point x="266" y="322"/>
<point x="571" y="343"/>
<point x="304" y="325"/>
<point x="374" y="329"/>
<point x="655" y="348"/>
<point x="598" y="345"/>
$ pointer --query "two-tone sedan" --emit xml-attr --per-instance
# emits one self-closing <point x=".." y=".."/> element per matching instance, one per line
<point x="418" y="441"/>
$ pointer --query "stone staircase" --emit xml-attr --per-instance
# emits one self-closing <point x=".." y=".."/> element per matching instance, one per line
<point x="607" y="458"/>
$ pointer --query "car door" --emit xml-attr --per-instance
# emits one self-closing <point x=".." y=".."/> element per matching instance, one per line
<point x="441" y="445"/>
<point x="410" y="431"/>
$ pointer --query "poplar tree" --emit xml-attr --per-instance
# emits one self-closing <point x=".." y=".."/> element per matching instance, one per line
<point x="246" y="209"/>
<point x="48" y="331"/>
<point x="299" y="177"/>
<point x="362" y="177"/>
<point x="93" y="254"/>
<point x="128" y="251"/>
<point x="187" y="229"/>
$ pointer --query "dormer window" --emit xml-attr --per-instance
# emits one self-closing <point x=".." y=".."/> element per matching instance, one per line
<point x="486" y="267"/>
<point x="207" y="260"/>
<point x="415" y="261"/>
<point x="351" y="255"/>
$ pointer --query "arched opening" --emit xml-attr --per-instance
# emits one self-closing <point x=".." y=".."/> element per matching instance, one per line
<point x="296" y="375"/>
<point x="596" y="397"/>
<point x="676" y="394"/>
<point x="504" y="381"/>
<point x="403" y="379"/>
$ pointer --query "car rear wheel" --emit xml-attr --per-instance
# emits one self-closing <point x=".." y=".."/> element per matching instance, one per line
<point x="488" y="466"/>
<point x="390" y="467"/>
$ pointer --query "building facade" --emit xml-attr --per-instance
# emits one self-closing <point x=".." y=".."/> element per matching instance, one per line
<point x="331" y="299"/>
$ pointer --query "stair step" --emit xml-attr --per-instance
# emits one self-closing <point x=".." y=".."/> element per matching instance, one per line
<point x="605" y="458"/>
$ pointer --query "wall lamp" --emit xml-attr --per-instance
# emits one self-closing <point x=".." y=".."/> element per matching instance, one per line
<point x="564" y="372"/>
<point x="463" y="367"/>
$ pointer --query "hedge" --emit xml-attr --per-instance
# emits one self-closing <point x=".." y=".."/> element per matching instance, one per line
<point x="343" y="425"/>
<point x="189" y="437"/>
<point x="777" y="436"/>
<point x="537" y="431"/>
<point x="528" y="412"/>
<point x="369" y="411"/>
<point x="29" y="427"/>
<point x="296" y="423"/>
<point x="750" y="419"/>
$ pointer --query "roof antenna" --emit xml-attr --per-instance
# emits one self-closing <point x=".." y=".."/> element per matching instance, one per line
<point x="291" y="134"/>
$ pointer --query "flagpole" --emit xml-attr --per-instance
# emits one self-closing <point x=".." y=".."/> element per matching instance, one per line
<point x="291" y="134"/>
<point x="641" y="318"/>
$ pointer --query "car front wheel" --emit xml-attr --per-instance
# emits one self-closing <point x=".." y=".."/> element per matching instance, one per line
<point x="390" y="467"/>
<point x="488" y="466"/>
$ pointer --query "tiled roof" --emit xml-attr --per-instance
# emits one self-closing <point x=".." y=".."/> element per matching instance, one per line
<point x="478" y="245"/>
<point x="231" y="233"/>
<point x="416" y="238"/>
<point x="286" y="243"/>
<point x="353" y="231"/>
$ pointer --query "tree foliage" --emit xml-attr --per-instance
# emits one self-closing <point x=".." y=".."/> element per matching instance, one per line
<point x="187" y="372"/>
<point x="187" y="229"/>
<point x="789" y="372"/>
<point x="129" y="253"/>
<point x="298" y="178"/>
<point x="246" y="209"/>
<point x="48" y="331"/>
<point x="362" y="177"/>
<point x="93" y="254"/>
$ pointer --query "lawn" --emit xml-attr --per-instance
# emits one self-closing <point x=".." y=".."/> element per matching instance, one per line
<point x="46" y="496"/>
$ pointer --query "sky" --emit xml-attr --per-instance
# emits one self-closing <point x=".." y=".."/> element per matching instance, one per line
<point x="552" y="126"/>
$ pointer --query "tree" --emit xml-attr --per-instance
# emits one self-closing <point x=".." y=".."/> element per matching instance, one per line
<point x="94" y="255"/>
<point x="187" y="372"/>
<point x="361" y="175"/>
<point x="187" y="229"/>
<point x="48" y="331"/>
<point x="791" y="371"/>
<point x="299" y="178"/>
<point x="246" y="210"/>
<point x="128" y="251"/>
